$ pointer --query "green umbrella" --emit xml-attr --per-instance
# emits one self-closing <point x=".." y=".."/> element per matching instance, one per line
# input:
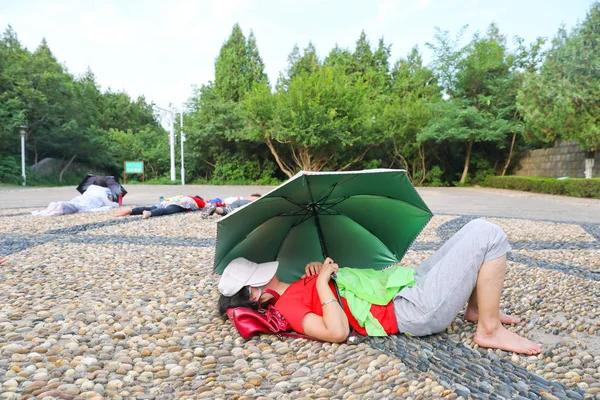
<point x="361" y="219"/>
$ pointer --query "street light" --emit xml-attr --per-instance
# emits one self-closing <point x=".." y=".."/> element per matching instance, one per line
<point x="23" y="132"/>
<point x="171" y="138"/>
<point x="182" y="140"/>
<point x="171" y="112"/>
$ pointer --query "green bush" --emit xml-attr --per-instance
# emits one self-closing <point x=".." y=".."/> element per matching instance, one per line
<point x="434" y="177"/>
<point x="576" y="187"/>
<point x="235" y="170"/>
<point x="163" y="180"/>
<point x="10" y="171"/>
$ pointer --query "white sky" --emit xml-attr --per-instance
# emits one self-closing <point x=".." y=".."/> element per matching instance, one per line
<point x="161" y="48"/>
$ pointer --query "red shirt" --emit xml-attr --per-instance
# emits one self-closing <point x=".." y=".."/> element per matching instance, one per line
<point x="301" y="298"/>
<point x="199" y="202"/>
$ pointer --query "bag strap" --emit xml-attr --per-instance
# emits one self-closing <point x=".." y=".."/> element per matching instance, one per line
<point x="271" y="292"/>
<point x="267" y="291"/>
<point x="352" y="338"/>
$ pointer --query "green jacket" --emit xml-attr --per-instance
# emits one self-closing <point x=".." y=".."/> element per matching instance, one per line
<point x="363" y="287"/>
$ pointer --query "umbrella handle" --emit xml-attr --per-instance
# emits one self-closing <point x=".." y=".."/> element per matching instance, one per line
<point x="337" y="291"/>
<point x="351" y="339"/>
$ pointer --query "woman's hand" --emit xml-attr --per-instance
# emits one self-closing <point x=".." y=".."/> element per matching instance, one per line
<point x="327" y="270"/>
<point x="312" y="268"/>
<point x="315" y="268"/>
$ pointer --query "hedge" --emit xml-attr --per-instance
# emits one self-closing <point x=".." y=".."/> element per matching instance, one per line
<point x="576" y="187"/>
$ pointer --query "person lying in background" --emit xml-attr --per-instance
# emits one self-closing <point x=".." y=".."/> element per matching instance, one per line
<point x="169" y="206"/>
<point x="224" y="210"/>
<point x="97" y="197"/>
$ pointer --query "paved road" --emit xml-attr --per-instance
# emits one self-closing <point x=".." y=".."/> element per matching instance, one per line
<point x="468" y="201"/>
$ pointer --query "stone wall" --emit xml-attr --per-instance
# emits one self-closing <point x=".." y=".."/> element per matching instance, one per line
<point x="564" y="159"/>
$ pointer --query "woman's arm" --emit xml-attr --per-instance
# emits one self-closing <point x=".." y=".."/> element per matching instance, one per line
<point x="333" y="326"/>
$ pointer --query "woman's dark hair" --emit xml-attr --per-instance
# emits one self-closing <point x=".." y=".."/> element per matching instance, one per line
<point x="240" y="299"/>
<point x="198" y="197"/>
<point x="101" y="182"/>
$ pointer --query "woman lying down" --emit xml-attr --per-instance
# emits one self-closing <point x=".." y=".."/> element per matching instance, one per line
<point x="469" y="268"/>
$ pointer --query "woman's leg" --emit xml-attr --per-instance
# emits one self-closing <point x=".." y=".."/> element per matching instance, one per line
<point x="172" y="209"/>
<point x="446" y="280"/>
<point x="490" y="332"/>
<point x="140" y="210"/>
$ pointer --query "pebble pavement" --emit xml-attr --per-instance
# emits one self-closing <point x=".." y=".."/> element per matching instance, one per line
<point x="98" y="307"/>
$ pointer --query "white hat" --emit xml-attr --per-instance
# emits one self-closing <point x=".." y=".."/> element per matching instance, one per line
<point x="241" y="272"/>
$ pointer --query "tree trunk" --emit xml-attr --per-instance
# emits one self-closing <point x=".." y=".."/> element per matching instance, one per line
<point x="280" y="163"/>
<point x="422" y="156"/>
<point x="589" y="168"/>
<point x="357" y="159"/>
<point x="35" y="153"/>
<point x="467" y="161"/>
<point x="512" y="145"/>
<point x="65" y="168"/>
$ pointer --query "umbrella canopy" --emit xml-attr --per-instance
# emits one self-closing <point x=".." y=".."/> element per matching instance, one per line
<point x="114" y="185"/>
<point x="361" y="219"/>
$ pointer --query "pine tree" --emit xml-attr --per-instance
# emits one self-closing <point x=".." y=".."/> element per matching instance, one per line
<point x="238" y="67"/>
<point x="256" y="66"/>
<point x="231" y="82"/>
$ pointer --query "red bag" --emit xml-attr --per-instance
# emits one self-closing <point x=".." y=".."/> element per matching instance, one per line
<point x="250" y="322"/>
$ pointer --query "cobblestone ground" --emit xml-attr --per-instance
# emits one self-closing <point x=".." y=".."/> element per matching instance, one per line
<point x="92" y="306"/>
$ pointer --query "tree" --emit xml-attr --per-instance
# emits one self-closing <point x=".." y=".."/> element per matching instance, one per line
<point x="363" y="56"/>
<point x="341" y="59"/>
<point x="407" y="111"/>
<point x="231" y="74"/>
<point x="238" y="66"/>
<point x="525" y="59"/>
<point x="256" y="66"/>
<point x="561" y="100"/>
<point x="13" y="80"/>
<point x="307" y="63"/>
<point x="67" y="117"/>
<point x="50" y="118"/>
<point x="320" y="113"/>
<point x="215" y="121"/>
<point x="477" y="81"/>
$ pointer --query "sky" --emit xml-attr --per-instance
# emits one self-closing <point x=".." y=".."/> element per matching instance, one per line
<point x="160" y="49"/>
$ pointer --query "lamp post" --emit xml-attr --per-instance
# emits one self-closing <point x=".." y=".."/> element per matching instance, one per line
<point x="23" y="132"/>
<point x="171" y="112"/>
<point x="171" y="138"/>
<point x="182" y="140"/>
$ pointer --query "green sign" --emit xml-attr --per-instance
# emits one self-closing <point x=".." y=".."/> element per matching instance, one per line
<point x="134" y="167"/>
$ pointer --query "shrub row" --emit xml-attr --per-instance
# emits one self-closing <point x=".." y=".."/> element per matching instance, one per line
<point x="576" y="187"/>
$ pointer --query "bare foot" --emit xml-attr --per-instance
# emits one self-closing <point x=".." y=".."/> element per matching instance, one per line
<point x="3" y="260"/>
<point x="504" y="318"/>
<point x="123" y="212"/>
<point x="503" y="339"/>
<point x="146" y="214"/>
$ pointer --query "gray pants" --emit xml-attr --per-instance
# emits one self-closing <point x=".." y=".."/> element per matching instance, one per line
<point x="445" y="280"/>
<point x="234" y="205"/>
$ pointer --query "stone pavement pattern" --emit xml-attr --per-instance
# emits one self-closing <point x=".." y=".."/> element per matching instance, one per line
<point x="92" y="306"/>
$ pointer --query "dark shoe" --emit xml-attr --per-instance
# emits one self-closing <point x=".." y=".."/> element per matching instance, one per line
<point x="227" y="210"/>
<point x="208" y="211"/>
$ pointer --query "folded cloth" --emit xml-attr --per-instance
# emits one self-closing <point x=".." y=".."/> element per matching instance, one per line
<point x="363" y="287"/>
